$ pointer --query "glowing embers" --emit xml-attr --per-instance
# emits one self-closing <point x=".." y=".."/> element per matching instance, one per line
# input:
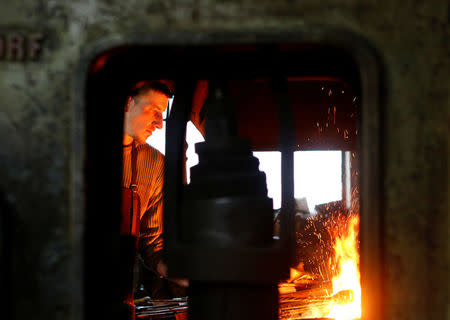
<point x="333" y="290"/>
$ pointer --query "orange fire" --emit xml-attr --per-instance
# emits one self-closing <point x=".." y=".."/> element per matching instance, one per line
<point x="347" y="277"/>
<point x="344" y="303"/>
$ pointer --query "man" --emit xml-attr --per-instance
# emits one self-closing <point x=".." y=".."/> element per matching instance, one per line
<point x="143" y="175"/>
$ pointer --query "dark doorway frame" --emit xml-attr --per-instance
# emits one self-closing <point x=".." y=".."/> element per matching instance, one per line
<point x="91" y="150"/>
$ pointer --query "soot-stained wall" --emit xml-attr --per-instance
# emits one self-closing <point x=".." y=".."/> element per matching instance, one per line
<point x="40" y="132"/>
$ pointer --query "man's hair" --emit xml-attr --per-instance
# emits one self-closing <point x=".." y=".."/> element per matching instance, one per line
<point x="163" y="86"/>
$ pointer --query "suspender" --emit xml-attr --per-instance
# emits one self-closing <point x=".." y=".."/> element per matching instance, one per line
<point x="133" y="166"/>
<point x="133" y="185"/>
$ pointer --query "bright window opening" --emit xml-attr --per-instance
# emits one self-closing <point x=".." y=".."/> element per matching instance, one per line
<point x="270" y="164"/>
<point x="193" y="136"/>
<point x="317" y="177"/>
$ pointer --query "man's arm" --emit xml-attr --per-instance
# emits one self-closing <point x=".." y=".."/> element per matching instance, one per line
<point x="150" y="239"/>
<point x="151" y="223"/>
<point x="151" y="244"/>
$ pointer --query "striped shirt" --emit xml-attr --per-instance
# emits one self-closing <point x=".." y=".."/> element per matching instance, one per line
<point x="149" y="181"/>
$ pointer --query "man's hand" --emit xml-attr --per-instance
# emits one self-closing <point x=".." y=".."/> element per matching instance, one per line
<point x="161" y="268"/>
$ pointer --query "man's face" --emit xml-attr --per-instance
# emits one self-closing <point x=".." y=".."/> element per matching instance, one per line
<point x="143" y="114"/>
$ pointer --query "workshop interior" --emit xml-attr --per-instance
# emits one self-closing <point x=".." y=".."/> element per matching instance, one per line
<point x="221" y="230"/>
